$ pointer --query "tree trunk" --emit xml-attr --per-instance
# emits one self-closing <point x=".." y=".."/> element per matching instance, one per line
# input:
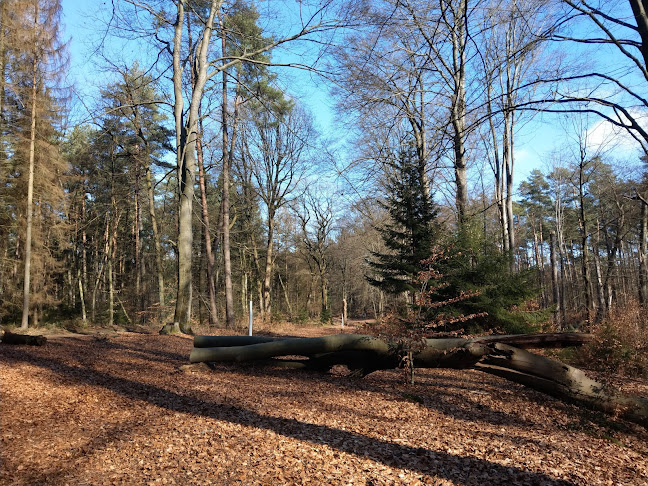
<point x="267" y="279"/>
<point x="558" y="321"/>
<point x="509" y="158"/>
<point x="209" y="252"/>
<point x="286" y="296"/>
<point x="227" y="160"/>
<point x="81" y="296"/>
<point x="137" y="227"/>
<point x="185" y="182"/>
<point x="562" y="381"/>
<point x="643" y="256"/>
<point x="30" y="186"/>
<point x="584" y="230"/>
<point x="458" y="109"/>
<point x="159" y="269"/>
<point x="186" y="149"/>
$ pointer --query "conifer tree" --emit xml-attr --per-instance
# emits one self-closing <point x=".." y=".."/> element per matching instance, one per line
<point x="134" y="117"/>
<point x="32" y="60"/>
<point x="411" y="232"/>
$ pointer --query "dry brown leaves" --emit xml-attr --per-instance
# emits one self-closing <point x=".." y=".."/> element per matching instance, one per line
<point x="119" y="410"/>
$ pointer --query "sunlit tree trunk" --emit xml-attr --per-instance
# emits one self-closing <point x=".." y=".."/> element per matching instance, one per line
<point x="186" y="135"/>
<point x="30" y="184"/>
<point x="227" y="160"/>
<point x="209" y="252"/>
<point x="206" y="228"/>
<point x="558" y="313"/>
<point x="643" y="257"/>
<point x="584" y="230"/>
<point x="267" y="278"/>
<point x="156" y="232"/>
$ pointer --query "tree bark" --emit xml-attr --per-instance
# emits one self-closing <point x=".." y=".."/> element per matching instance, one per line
<point x="186" y="150"/>
<point x="267" y="276"/>
<point x="30" y="185"/>
<point x="209" y="252"/>
<point x="156" y="233"/>
<point x="562" y="381"/>
<point x="227" y="159"/>
<point x="458" y="108"/>
<point x="643" y="256"/>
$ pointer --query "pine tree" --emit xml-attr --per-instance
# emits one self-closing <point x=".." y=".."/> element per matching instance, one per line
<point x="33" y="59"/>
<point x="410" y="234"/>
<point x="133" y="117"/>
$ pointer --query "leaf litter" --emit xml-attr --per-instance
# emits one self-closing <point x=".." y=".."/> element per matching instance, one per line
<point x="124" y="410"/>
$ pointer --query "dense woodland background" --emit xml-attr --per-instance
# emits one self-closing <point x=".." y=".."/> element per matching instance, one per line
<point x="197" y="181"/>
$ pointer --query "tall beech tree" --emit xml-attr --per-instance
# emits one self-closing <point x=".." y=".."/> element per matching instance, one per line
<point x="275" y="143"/>
<point x="169" y="31"/>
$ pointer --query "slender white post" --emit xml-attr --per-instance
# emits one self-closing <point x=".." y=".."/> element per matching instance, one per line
<point x="250" y="321"/>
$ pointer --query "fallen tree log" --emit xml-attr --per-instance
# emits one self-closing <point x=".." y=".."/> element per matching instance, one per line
<point x="540" y="341"/>
<point x="364" y="354"/>
<point x="293" y="346"/>
<point x="28" y="339"/>
<point x="227" y="341"/>
<point x="523" y="341"/>
<point x="561" y="381"/>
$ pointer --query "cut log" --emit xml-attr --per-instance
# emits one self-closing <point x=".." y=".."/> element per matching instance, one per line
<point x="13" y="338"/>
<point x="228" y="341"/>
<point x="363" y="354"/>
<point x="295" y="346"/>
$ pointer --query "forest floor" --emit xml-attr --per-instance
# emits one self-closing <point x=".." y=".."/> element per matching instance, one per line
<point x="119" y="408"/>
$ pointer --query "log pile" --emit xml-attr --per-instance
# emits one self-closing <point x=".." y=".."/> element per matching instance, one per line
<point x="504" y="356"/>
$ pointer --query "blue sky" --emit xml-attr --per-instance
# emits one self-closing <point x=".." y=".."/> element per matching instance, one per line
<point x="537" y="143"/>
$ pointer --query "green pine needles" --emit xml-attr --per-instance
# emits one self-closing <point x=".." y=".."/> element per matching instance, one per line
<point x="412" y="230"/>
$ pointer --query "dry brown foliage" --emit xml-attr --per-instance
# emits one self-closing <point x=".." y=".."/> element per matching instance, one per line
<point x="620" y="343"/>
<point x="118" y="409"/>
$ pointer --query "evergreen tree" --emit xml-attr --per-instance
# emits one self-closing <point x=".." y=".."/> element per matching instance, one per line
<point x="134" y="120"/>
<point x="32" y="198"/>
<point x="412" y="230"/>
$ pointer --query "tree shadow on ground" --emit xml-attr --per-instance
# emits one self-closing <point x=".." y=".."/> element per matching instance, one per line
<point x="437" y="396"/>
<point x="436" y="463"/>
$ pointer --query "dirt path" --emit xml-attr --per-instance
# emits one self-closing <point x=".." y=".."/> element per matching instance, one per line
<point x="118" y="410"/>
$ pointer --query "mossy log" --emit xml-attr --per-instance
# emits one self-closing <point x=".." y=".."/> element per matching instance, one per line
<point x="496" y="355"/>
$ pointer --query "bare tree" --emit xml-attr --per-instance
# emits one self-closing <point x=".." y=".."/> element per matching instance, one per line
<point x="316" y="220"/>
<point x="274" y="144"/>
<point x="170" y="17"/>
<point x="509" y="51"/>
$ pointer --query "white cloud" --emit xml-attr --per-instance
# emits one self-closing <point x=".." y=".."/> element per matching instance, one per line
<point x="604" y="137"/>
